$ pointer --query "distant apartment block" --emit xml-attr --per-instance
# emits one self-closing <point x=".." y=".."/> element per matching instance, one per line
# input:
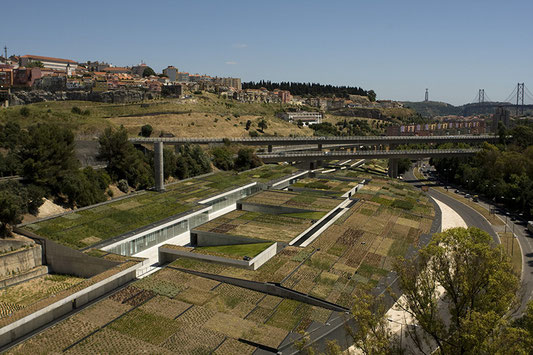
<point x="229" y="82"/>
<point x="448" y="126"/>
<point x="172" y="73"/>
<point x="501" y="115"/>
<point x="96" y="66"/>
<point x="67" y="65"/>
<point x="183" y="77"/>
<point x="307" y="118"/>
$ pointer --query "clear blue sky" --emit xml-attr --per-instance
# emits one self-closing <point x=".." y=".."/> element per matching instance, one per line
<point x="398" y="48"/>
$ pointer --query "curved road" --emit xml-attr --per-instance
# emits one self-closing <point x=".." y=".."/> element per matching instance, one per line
<point x="473" y="219"/>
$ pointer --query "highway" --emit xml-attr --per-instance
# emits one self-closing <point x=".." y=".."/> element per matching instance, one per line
<point x="365" y="154"/>
<point x="363" y="140"/>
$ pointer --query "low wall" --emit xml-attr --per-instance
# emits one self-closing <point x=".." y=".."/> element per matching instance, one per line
<point x="64" y="260"/>
<point x="23" y="326"/>
<point x="24" y="276"/>
<point x="20" y="260"/>
<point x="167" y="255"/>
<point x="205" y="239"/>
<point x="258" y="207"/>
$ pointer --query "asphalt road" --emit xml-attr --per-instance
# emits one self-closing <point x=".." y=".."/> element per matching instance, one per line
<point x="473" y="219"/>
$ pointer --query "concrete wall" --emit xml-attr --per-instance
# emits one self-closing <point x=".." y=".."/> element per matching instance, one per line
<point x="204" y="239"/>
<point x="24" y="276"/>
<point x="20" y="260"/>
<point x="257" y="207"/>
<point x="27" y="324"/>
<point x="64" y="260"/>
<point x="167" y="255"/>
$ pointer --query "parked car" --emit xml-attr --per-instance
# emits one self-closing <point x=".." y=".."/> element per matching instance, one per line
<point x="475" y="198"/>
<point x="467" y="196"/>
<point x="456" y="191"/>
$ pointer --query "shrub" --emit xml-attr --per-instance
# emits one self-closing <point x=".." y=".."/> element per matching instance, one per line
<point x="253" y="133"/>
<point x="246" y="159"/>
<point x="222" y="158"/>
<point x="146" y="130"/>
<point x="76" y="110"/>
<point x="24" y="111"/>
<point x="87" y="113"/>
<point x="123" y="185"/>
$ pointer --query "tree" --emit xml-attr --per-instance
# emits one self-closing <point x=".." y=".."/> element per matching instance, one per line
<point x="84" y="188"/>
<point x="123" y="160"/>
<point x="222" y="158"/>
<point x="148" y="72"/>
<point x="370" y="332"/>
<point x="10" y="211"/>
<point x="146" y="130"/>
<point x="371" y="95"/>
<point x="479" y="287"/>
<point x="35" y="64"/>
<point x="48" y="156"/>
<point x="15" y="200"/>
<point x="248" y="125"/>
<point x="246" y="159"/>
<point x="262" y="125"/>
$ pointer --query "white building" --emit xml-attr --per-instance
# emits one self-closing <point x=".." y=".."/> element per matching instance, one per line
<point x="171" y="72"/>
<point x="307" y="118"/>
<point x="67" y="65"/>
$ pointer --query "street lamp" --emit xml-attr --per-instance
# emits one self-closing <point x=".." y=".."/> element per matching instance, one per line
<point x="401" y="329"/>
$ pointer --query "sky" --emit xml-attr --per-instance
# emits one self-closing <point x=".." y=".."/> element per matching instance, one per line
<point x="397" y="48"/>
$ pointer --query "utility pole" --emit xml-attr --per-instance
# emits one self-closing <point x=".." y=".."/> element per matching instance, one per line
<point x="427" y="96"/>
<point x="519" y="98"/>
<point x="481" y="96"/>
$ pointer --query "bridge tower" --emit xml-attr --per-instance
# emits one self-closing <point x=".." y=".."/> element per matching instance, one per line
<point x="481" y="96"/>
<point x="427" y="95"/>
<point x="520" y="98"/>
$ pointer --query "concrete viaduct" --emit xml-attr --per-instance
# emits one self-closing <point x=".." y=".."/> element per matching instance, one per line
<point x="375" y="141"/>
<point x="392" y="155"/>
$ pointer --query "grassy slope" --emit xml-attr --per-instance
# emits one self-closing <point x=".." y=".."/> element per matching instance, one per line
<point x="195" y="117"/>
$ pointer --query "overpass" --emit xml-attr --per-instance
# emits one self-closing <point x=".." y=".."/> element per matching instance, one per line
<point x="392" y="155"/>
<point x="352" y="141"/>
<point x="319" y="141"/>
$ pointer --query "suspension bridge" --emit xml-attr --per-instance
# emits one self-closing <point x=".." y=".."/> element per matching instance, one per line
<point x="520" y="99"/>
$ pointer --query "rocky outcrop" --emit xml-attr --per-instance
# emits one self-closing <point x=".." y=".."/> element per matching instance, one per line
<point x="24" y="97"/>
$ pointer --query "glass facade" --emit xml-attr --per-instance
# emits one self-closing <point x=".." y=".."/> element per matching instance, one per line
<point x="231" y="199"/>
<point x="159" y="236"/>
<point x="146" y="241"/>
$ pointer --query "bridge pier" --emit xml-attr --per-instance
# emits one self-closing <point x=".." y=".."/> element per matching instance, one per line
<point x="159" y="167"/>
<point x="270" y="148"/>
<point x="320" y="147"/>
<point x="393" y="168"/>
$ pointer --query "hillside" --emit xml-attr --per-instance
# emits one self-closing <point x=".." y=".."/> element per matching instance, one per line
<point x="433" y="108"/>
<point x="205" y="115"/>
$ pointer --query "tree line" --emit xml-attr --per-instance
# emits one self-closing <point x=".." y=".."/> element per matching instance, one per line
<point x="43" y="156"/>
<point x="501" y="172"/>
<point x="311" y="89"/>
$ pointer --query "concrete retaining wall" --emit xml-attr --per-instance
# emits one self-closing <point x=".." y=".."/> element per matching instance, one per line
<point x="47" y="314"/>
<point x="257" y="207"/>
<point x="27" y="275"/>
<point x="20" y="260"/>
<point x="205" y="239"/>
<point x="167" y="255"/>
<point x="64" y="260"/>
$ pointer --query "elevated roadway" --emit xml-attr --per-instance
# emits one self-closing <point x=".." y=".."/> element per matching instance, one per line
<point x="362" y="140"/>
<point x="365" y="154"/>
